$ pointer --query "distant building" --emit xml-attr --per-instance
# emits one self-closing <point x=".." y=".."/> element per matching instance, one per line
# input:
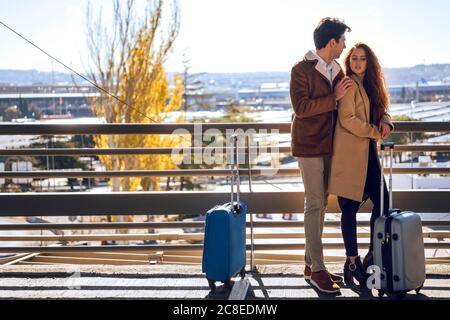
<point x="74" y="100"/>
<point x="268" y="94"/>
<point x="49" y="100"/>
<point x="277" y="94"/>
<point x="423" y="91"/>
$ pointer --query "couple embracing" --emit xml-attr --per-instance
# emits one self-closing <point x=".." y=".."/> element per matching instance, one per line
<point x="339" y="115"/>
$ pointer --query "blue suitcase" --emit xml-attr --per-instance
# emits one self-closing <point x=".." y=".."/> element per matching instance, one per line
<point x="224" y="245"/>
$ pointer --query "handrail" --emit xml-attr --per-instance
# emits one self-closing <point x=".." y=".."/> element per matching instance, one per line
<point x="184" y="247"/>
<point x="266" y="172"/>
<point x="132" y="128"/>
<point x="169" y="128"/>
<point x="187" y="236"/>
<point x="190" y="202"/>
<point x="139" y="151"/>
<point x="182" y="225"/>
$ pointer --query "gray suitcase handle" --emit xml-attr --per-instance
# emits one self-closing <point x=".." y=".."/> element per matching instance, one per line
<point x="390" y="146"/>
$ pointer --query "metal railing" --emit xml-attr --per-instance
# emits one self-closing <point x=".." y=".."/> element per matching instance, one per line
<point x="183" y="202"/>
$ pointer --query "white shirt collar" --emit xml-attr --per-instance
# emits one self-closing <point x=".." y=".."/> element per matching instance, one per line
<point x="322" y="62"/>
<point x="330" y="71"/>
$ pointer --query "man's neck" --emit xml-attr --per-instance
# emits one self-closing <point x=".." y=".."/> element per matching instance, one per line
<point x="325" y="55"/>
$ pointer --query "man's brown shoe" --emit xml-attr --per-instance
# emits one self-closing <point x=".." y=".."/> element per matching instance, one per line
<point x="307" y="273"/>
<point x="334" y="277"/>
<point x="322" y="281"/>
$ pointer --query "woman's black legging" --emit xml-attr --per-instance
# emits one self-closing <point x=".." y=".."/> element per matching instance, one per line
<point x="350" y="207"/>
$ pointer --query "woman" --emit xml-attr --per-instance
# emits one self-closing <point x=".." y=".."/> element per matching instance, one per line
<point x="355" y="167"/>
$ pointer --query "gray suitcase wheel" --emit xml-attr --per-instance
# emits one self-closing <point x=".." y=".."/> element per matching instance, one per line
<point x="418" y="289"/>
<point x="212" y="284"/>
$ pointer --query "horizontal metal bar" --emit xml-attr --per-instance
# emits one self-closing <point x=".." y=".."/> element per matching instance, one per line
<point x="266" y="172"/>
<point x="191" y="202"/>
<point x="279" y="258"/>
<point x="134" y="128"/>
<point x="426" y="170"/>
<point x="92" y="261"/>
<point x="181" y="225"/>
<point x="333" y="246"/>
<point x="101" y="226"/>
<point x="125" y="151"/>
<point x="260" y="258"/>
<point x="86" y="248"/>
<point x="185" y="236"/>
<point x="422" y="148"/>
<point x="137" y="151"/>
<point x="170" y="128"/>
<point x="421" y="126"/>
<point x="108" y="255"/>
<point x="152" y="248"/>
<point x="144" y="173"/>
<point x="51" y="260"/>
<point x="83" y="151"/>
<point x="101" y="237"/>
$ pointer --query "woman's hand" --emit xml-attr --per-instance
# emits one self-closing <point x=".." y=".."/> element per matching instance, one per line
<point x="385" y="130"/>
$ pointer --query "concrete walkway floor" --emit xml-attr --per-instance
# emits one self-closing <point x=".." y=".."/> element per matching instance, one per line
<point x="182" y="282"/>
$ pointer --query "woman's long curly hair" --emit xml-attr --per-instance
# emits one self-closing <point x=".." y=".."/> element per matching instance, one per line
<point x="374" y="82"/>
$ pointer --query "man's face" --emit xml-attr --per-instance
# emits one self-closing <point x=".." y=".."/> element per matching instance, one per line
<point x="339" y="47"/>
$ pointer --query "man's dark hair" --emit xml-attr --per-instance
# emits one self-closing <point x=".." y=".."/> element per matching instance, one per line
<point x="327" y="29"/>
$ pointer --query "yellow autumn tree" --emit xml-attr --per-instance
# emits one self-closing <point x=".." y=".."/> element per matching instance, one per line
<point x="127" y="60"/>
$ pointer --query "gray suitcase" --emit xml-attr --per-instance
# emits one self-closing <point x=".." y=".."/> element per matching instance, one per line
<point x="398" y="245"/>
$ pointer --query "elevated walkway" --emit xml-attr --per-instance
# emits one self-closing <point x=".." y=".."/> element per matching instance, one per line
<point x="183" y="282"/>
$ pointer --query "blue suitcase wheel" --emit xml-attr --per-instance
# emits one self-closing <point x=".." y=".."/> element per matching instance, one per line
<point x="227" y="284"/>
<point x="212" y="284"/>
<point x="242" y="273"/>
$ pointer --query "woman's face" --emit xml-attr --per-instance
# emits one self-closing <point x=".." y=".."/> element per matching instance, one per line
<point x="358" y="61"/>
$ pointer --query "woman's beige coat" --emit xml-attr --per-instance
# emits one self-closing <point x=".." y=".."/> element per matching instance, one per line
<point x="351" y="143"/>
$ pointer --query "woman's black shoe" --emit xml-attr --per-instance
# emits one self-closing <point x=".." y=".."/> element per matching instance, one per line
<point x="354" y="271"/>
<point x="368" y="260"/>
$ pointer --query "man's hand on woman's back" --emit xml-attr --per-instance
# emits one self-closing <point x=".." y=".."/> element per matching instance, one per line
<point x="342" y="87"/>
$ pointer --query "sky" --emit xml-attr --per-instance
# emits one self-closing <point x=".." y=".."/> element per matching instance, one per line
<point x="237" y="35"/>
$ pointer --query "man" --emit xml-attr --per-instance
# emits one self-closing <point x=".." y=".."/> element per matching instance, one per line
<point x="317" y="84"/>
